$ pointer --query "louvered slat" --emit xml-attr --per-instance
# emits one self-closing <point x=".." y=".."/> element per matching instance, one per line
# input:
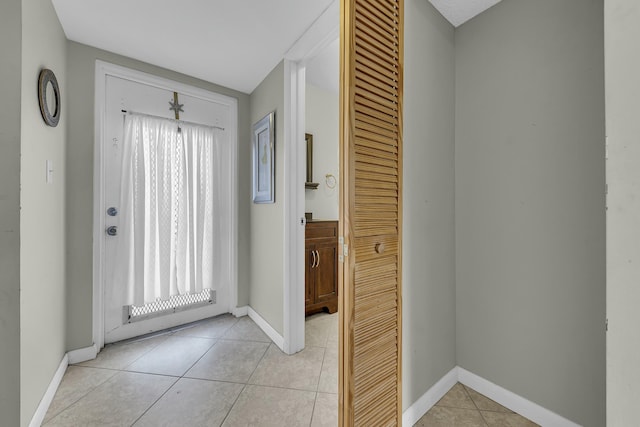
<point x="371" y="132"/>
<point x="391" y="119"/>
<point x="369" y="99"/>
<point x="369" y="28"/>
<point x="374" y="145"/>
<point x="372" y="47"/>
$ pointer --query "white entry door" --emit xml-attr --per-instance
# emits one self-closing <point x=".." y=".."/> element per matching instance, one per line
<point x="152" y="98"/>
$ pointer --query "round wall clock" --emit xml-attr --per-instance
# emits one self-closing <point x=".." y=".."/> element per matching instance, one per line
<point x="49" y="97"/>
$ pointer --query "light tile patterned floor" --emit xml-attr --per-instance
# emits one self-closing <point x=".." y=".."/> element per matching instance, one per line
<point x="463" y="406"/>
<point x="219" y="372"/>
<point x="226" y="372"/>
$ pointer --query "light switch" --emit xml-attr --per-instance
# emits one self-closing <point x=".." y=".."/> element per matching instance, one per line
<point x="49" y="171"/>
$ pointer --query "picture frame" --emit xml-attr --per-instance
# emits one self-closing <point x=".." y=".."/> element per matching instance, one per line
<point x="263" y="139"/>
<point x="309" y="184"/>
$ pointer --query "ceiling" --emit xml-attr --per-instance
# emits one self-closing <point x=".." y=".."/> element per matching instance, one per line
<point x="230" y="43"/>
<point x="460" y="11"/>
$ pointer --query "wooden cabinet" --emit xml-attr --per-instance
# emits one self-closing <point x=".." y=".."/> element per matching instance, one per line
<point x="321" y="260"/>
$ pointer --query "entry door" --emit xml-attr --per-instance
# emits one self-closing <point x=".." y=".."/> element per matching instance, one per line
<point x="371" y="212"/>
<point x="129" y="95"/>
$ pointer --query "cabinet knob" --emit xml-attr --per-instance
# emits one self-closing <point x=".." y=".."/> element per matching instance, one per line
<point x="380" y="248"/>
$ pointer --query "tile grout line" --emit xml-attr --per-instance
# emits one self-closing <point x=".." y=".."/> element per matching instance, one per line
<point x="157" y="400"/>
<point x="259" y="362"/>
<point x="123" y="369"/>
<point x="126" y="369"/>
<point x="244" y="387"/>
<point x="169" y="334"/>
<point x="217" y="340"/>
<point x="74" y="403"/>
<point x="313" y="410"/>
<point x="324" y="357"/>
<point x="464" y="387"/>
<point x="78" y="399"/>
<point x="177" y="378"/>
<point x="117" y="371"/>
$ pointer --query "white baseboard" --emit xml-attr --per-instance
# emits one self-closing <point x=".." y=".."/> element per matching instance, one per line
<point x="506" y="398"/>
<point x="46" y="400"/>
<point x="82" y="354"/>
<point x="266" y="328"/>
<point x="421" y="406"/>
<point x="522" y="406"/>
<point x="240" y="311"/>
<point x="74" y="356"/>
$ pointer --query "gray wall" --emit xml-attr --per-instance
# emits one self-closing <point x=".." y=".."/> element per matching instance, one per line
<point x="10" y="87"/>
<point x="322" y="120"/>
<point x="622" y="32"/>
<point x="42" y="214"/>
<point x="267" y="220"/>
<point x="81" y="72"/>
<point x="530" y="206"/>
<point x="428" y="211"/>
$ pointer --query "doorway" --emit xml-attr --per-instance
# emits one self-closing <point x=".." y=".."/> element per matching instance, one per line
<point x="322" y="213"/>
<point x="321" y="186"/>
<point x="322" y="32"/>
<point x="120" y="90"/>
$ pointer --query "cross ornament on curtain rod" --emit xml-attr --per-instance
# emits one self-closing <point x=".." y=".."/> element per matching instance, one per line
<point x="175" y="106"/>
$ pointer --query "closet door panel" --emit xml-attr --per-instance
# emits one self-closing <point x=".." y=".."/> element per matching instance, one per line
<point x="371" y="212"/>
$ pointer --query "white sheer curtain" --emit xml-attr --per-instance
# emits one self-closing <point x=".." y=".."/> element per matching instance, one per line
<point x="171" y="194"/>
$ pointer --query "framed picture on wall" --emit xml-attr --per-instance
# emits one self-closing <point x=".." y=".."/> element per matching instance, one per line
<point x="264" y="159"/>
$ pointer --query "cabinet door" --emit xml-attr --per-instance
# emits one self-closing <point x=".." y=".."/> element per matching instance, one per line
<point x="309" y="275"/>
<point x="326" y="286"/>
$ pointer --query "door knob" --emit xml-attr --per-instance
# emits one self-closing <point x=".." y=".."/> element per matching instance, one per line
<point x="112" y="230"/>
<point x="112" y="211"/>
<point x="380" y="248"/>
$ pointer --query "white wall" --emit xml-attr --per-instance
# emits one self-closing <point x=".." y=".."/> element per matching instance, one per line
<point x="10" y="88"/>
<point x="622" y="32"/>
<point x="530" y="206"/>
<point x="42" y="215"/>
<point x="266" y="292"/>
<point x="428" y="282"/>
<point x="322" y="120"/>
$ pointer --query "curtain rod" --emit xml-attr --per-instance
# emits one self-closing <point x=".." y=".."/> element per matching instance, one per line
<point x="173" y="120"/>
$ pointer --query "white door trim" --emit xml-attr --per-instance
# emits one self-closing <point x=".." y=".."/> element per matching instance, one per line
<point x="319" y="35"/>
<point x="104" y="69"/>
<point x="294" y="207"/>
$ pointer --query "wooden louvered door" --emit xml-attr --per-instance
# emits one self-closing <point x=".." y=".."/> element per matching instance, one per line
<point x="371" y="212"/>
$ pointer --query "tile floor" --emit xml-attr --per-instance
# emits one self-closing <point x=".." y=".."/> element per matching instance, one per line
<point x="221" y="371"/>
<point x="463" y="406"/>
<point x="225" y="371"/>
